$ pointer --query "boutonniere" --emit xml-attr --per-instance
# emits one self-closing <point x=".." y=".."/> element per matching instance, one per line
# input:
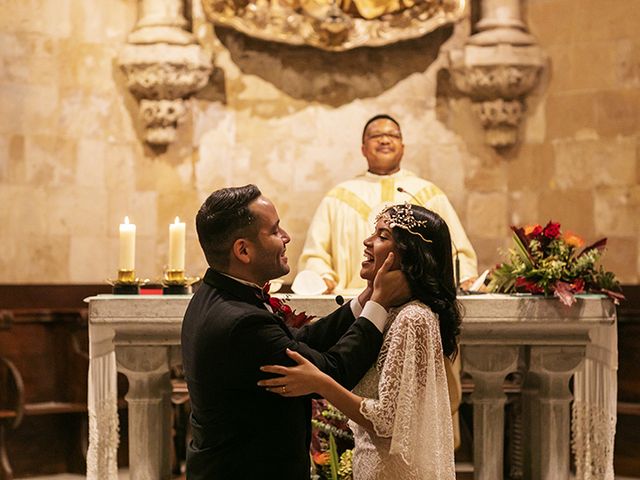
<point x="289" y="316"/>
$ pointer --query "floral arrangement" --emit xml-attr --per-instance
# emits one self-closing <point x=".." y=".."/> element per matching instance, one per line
<point x="331" y="443"/>
<point x="546" y="261"/>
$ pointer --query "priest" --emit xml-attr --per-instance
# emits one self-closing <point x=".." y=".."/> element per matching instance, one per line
<point x="344" y="218"/>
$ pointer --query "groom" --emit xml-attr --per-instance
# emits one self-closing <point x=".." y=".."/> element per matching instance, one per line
<point x="240" y="431"/>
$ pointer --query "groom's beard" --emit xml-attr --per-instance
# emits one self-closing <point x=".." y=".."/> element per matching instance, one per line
<point x="270" y="264"/>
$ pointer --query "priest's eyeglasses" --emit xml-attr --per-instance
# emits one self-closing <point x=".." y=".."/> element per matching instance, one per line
<point x="377" y="136"/>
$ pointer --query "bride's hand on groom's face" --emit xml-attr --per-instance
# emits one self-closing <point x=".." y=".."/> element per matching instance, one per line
<point x="303" y="379"/>
<point x="390" y="287"/>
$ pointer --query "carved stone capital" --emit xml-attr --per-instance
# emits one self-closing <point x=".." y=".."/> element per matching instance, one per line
<point x="496" y="69"/>
<point x="163" y="66"/>
<point x="500" y="119"/>
<point x="506" y="78"/>
<point x="160" y="119"/>
<point x="164" y="72"/>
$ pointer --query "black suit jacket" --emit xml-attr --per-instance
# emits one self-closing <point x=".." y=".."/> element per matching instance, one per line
<point x="239" y="430"/>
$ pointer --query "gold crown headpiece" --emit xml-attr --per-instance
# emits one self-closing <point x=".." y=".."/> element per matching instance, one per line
<point x="401" y="216"/>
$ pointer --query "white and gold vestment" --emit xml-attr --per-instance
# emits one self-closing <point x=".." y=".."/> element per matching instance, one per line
<point x="346" y="216"/>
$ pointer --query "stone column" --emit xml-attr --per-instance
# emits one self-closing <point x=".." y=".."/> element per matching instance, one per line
<point x="489" y="365"/>
<point x="504" y="15"/>
<point x="164" y="66"/>
<point x="497" y="68"/>
<point x="149" y="399"/>
<point x="161" y="21"/>
<point x="552" y="367"/>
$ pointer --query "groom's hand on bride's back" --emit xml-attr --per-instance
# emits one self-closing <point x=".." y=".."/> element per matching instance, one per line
<point x="390" y="287"/>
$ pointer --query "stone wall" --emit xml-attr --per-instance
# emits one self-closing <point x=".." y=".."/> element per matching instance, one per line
<point x="73" y="164"/>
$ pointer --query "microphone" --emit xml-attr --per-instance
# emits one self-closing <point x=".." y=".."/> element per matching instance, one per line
<point x="456" y="261"/>
<point x="339" y="299"/>
<point x="402" y="190"/>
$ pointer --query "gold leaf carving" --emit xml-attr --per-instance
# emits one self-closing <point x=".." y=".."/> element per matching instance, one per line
<point x="334" y="26"/>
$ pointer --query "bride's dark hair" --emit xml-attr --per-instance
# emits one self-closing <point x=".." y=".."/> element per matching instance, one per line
<point x="429" y="270"/>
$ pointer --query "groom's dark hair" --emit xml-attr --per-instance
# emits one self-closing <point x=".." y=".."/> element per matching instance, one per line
<point x="222" y="219"/>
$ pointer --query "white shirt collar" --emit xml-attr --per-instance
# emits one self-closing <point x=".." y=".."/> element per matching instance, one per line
<point x="240" y="280"/>
<point x="400" y="173"/>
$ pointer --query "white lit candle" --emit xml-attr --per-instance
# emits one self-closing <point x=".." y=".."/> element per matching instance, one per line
<point x="176" y="245"/>
<point x="127" y="245"/>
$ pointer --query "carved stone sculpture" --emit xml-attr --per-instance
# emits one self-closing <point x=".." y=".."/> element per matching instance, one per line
<point x="497" y="68"/>
<point x="334" y="25"/>
<point x="164" y="66"/>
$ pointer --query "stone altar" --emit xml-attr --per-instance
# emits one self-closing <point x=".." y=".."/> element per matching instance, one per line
<point x="140" y="336"/>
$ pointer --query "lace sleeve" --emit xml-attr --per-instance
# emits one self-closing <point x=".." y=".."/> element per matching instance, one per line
<point x="413" y="405"/>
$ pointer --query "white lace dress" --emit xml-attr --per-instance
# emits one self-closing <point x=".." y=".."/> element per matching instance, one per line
<point x="407" y="400"/>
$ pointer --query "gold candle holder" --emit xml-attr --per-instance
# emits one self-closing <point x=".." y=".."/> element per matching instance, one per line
<point x="176" y="283"/>
<point x="126" y="276"/>
<point x="175" y="277"/>
<point x="127" y="283"/>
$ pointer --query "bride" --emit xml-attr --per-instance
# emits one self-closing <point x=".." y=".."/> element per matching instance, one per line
<point x="400" y="411"/>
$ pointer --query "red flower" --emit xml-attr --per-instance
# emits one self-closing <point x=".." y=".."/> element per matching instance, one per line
<point x="577" y="286"/>
<point x="551" y="230"/>
<point x="528" y="285"/>
<point x="287" y="314"/>
<point x="275" y="303"/>
<point x="280" y="307"/>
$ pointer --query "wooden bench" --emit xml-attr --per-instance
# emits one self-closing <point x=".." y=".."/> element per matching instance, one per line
<point x="11" y="410"/>
<point x="43" y="378"/>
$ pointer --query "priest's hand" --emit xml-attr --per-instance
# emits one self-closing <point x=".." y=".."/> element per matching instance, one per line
<point x="331" y="285"/>
<point x="466" y="285"/>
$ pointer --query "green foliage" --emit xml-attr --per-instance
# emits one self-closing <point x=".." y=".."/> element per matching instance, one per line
<point x="333" y="456"/>
<point x="331" y="442"/>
